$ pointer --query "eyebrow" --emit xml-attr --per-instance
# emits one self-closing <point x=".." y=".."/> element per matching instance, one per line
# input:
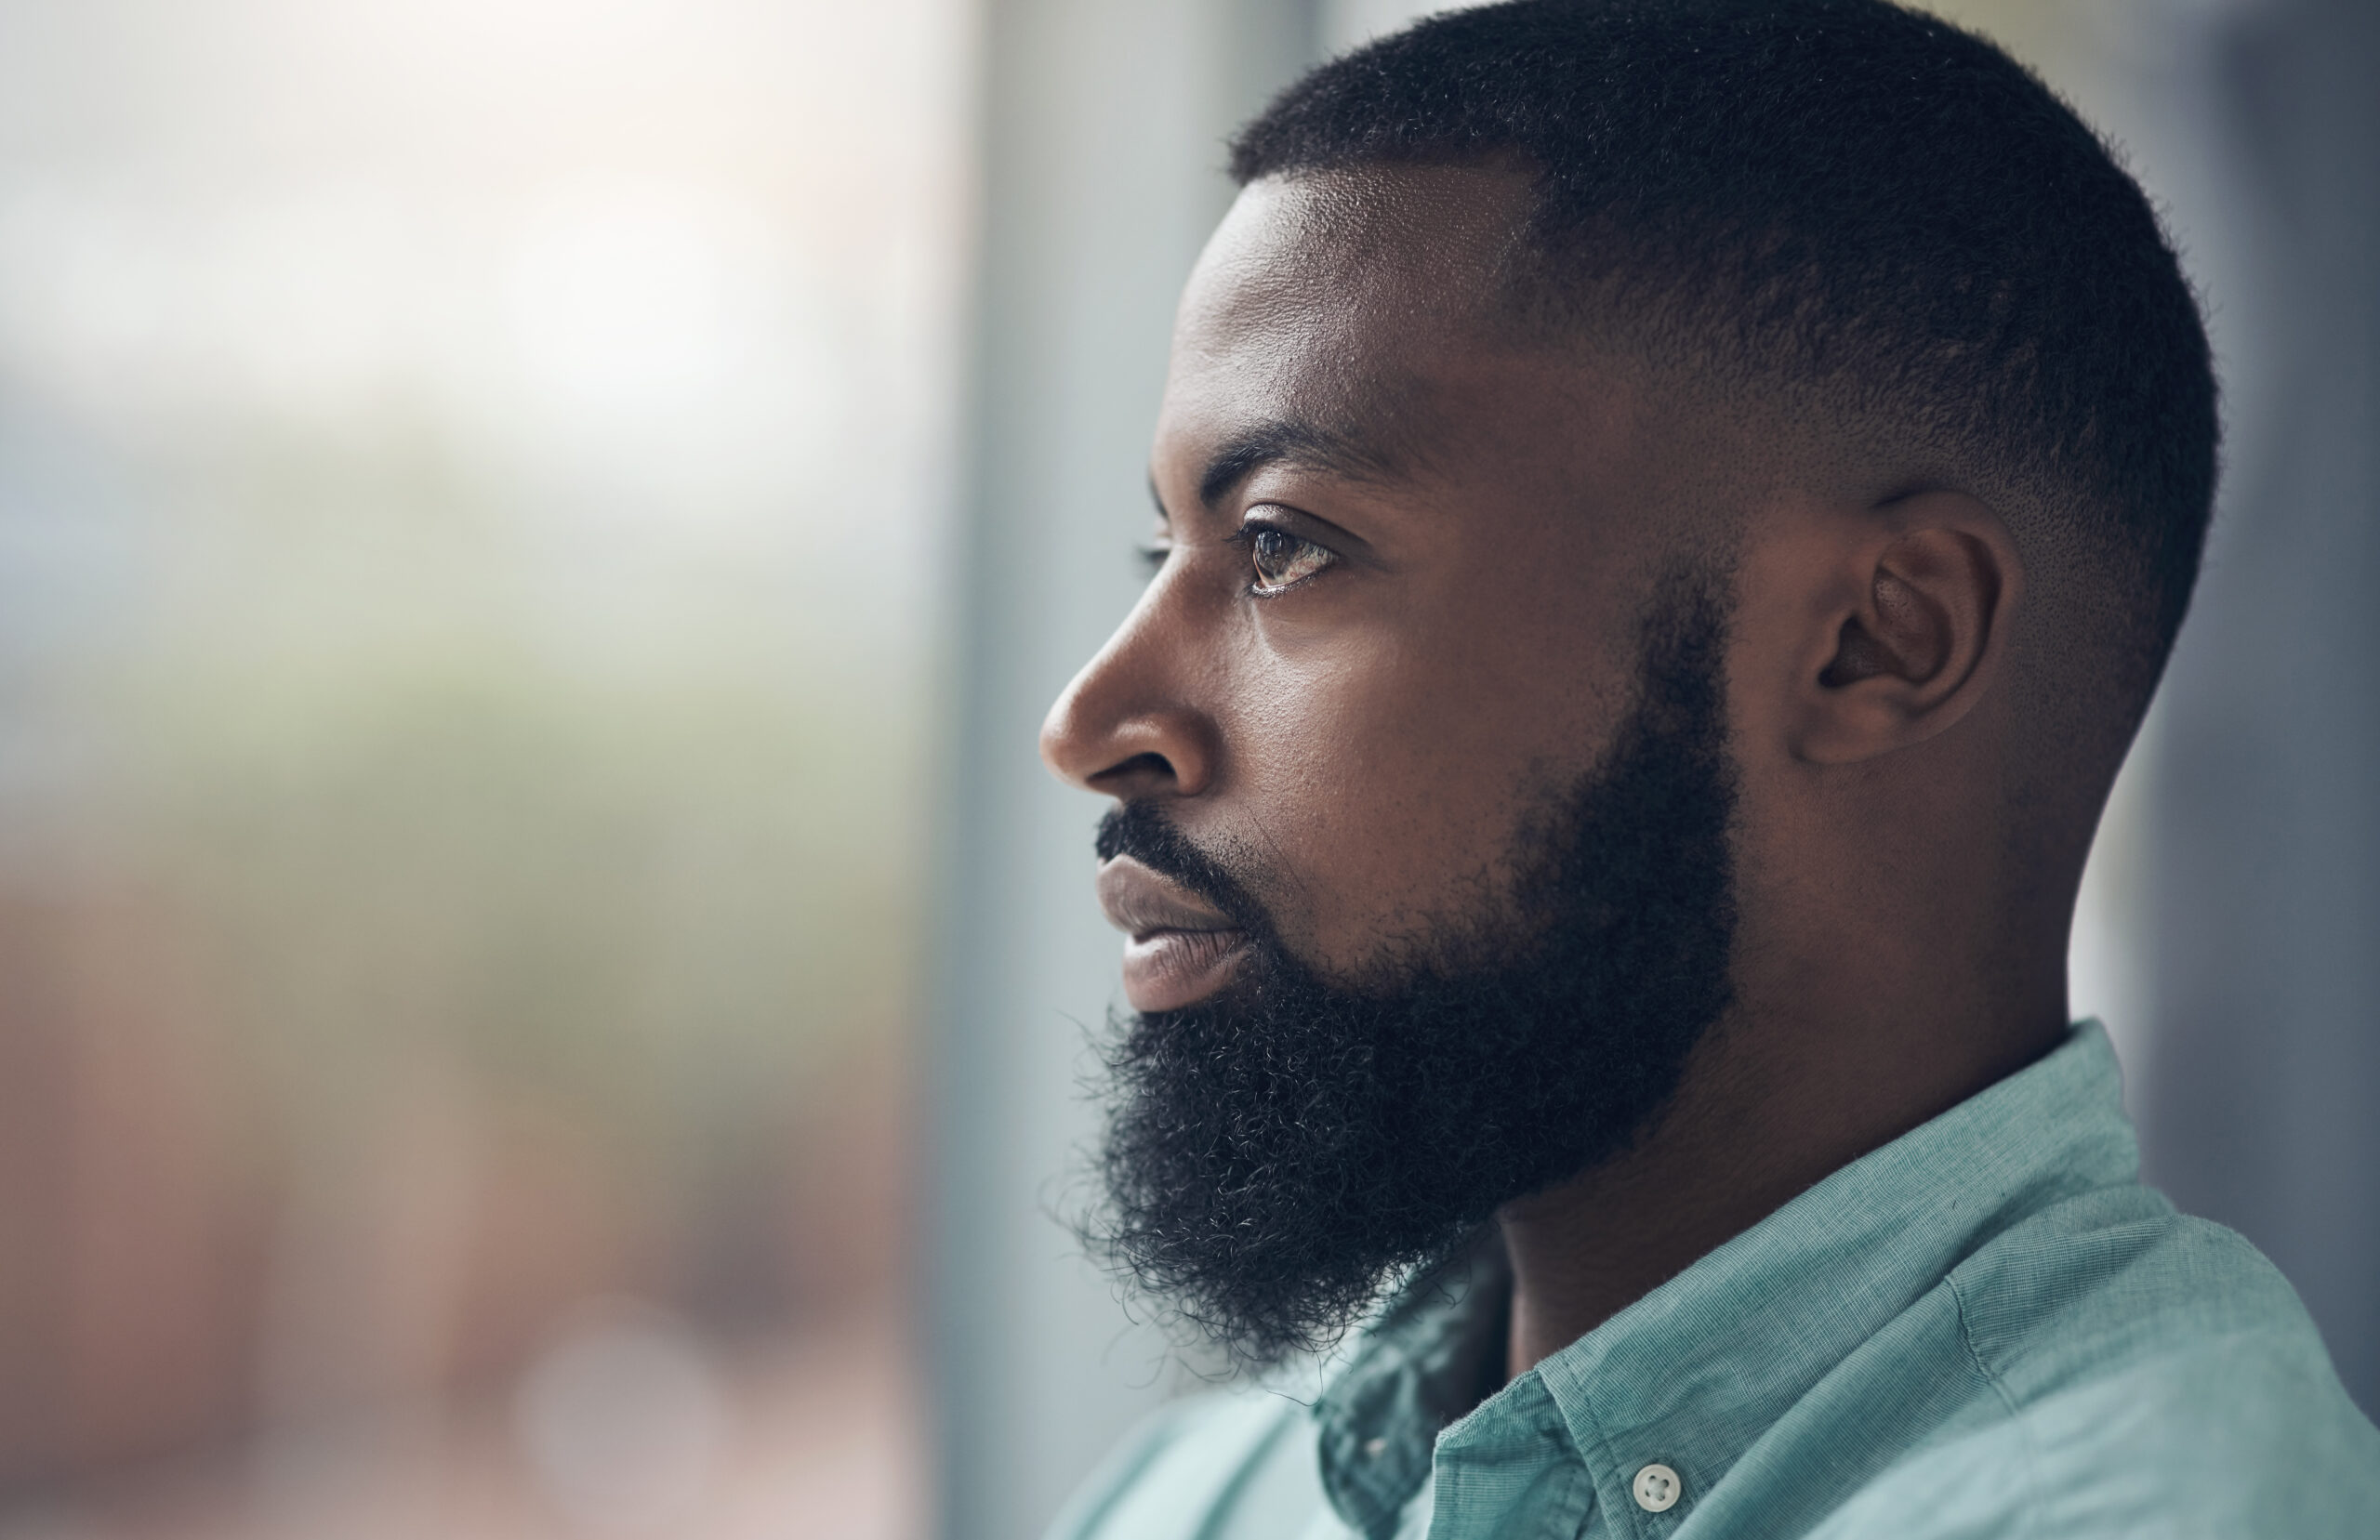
<point x="1307" y="444"/>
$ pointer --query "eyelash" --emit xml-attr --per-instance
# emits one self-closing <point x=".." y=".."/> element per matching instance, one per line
<point x="1153" y="556"/>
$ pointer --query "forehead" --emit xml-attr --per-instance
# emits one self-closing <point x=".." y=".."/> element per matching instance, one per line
<point x="1329" y="291"/>
<point x="1370" y="312"/>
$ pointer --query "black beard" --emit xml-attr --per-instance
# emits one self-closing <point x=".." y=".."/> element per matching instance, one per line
<point x="1278" y="1152"/>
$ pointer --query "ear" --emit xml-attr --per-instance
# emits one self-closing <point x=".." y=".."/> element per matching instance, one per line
<point x="1912" y="628"/>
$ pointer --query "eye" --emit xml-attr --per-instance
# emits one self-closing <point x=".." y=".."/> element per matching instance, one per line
<point x="1283" y="560"/>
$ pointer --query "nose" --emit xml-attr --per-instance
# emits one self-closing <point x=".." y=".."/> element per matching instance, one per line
<point x="1125" y="726"/>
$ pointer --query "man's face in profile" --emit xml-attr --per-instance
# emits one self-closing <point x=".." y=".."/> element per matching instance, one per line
<point x="1672" y="513"/>
<point x="1417" y="739"/>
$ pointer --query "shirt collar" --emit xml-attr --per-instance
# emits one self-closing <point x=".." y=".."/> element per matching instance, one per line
<point x="1435" y="1353"/>
<point x="1693" y="1372"/>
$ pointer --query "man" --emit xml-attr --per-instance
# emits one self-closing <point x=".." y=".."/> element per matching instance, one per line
<point x="1670" y="514"/>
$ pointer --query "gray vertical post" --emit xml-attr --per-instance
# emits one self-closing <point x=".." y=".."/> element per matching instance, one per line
<point x="2261" y="1104"/>
<point x="1102" y="137"/>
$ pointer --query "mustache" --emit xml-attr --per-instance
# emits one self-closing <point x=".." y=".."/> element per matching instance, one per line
<point x="1143" y="831"/>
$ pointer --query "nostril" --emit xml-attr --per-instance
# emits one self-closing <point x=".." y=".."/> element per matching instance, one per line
<point x="1139" y="769"/>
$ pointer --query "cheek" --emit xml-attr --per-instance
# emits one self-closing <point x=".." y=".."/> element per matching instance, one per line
<point x="1380" y="779"/>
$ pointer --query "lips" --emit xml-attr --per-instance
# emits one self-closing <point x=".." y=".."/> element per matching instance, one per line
<point x="1181" y="948"/>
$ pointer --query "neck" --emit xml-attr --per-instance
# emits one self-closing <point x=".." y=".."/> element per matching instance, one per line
<point x="1772" y="1102"/>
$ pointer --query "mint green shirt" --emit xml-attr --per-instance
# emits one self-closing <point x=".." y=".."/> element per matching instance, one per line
<point x="1986" y="1328"/>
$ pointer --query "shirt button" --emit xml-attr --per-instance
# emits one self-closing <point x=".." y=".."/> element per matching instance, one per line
<point x="1656" y="1488"/>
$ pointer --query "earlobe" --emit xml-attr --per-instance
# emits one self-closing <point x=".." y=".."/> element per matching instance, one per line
<point x="1917" y="632"/>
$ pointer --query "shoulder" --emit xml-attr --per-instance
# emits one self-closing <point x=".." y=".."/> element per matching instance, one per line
<point x="2245" y="1435"/>
<point x="2111" y="1279"/>
<point x="2155" y="1375"/>
<point x="1176" y="1472"/>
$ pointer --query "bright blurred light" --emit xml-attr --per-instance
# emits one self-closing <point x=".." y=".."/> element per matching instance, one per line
<point x="627" y="306"/>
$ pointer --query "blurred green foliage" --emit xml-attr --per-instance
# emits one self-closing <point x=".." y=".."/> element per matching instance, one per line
<point x="630" y="834"/>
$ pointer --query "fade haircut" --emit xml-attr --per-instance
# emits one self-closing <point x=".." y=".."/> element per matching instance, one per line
<point x="1846" y="202"/>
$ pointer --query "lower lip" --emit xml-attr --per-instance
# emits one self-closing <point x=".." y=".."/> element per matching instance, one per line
<point x="1168" y="969"/>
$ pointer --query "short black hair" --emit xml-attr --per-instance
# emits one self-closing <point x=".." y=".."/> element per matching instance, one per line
<point x="1839" y="195"/>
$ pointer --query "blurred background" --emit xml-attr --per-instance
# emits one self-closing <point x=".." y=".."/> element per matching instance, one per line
<point x="542" y="988"/>
<point x="471" y="473"/>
